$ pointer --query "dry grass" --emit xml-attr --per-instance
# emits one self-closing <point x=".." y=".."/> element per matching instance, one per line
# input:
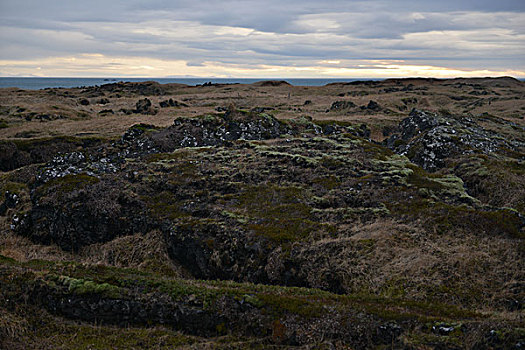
<point x="286" y="101"/>
<point x="392" y="259"/>
<point x="22" y="249"/>
<point x="146" y="251"/>
<point x="11" y="325"/>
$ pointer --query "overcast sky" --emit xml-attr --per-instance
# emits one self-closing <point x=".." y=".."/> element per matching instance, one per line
<point x="262" y="39"/>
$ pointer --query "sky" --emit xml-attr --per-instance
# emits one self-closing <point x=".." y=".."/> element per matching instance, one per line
<point x="262" y="39"/>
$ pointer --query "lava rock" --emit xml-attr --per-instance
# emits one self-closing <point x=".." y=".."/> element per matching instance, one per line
<point x="144" y="106"/>
<point x="11" y="200"/>
<point x="373" y="106"/>
<point x="429" y="139"/>
<point x="217" y="130"/>
<point x="171" y="103"/>
<point x="342" y="105"/>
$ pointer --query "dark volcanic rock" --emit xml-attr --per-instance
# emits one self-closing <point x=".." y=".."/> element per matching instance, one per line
<point x="342" y="105"/>
<point x="144" y="107"/>
<point x="241" y="210"/>
<point x="217" y="130"/>
<point x="272" y="83"/>
<point x="77" y="210"/>
<point x="11" y="200"/>
<point x="429" y="139"/>
<point x="171" y="103"/>
<point x="11" y="157"/>
<point x="106" y="111"/>
<point x="147" y="88"/>
<point x="373" y="106"/>
<point x="16" y="154"/>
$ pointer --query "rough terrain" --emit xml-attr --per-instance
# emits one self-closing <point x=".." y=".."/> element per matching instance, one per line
<point x="364" y="215"/>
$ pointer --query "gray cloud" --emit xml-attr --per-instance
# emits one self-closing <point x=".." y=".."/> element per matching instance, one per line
<point x="469" y="34"/>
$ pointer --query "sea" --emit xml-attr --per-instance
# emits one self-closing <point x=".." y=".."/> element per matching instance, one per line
<point x="43" y="83"/>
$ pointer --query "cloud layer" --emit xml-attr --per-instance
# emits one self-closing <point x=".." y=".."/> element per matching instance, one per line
<point x="306" y="38"/>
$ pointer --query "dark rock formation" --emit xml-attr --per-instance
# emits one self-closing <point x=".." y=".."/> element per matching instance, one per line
<point x="373" y="106"/>
<point x="248" y="211"/>
<point x="272" y="83"/>
<point x="147" y="88"/>
<point x="11" y="200"/>
<point x="171" y="103"/>
<point x="217" y="130"/>
<point x="18" y="153"/>
<point x="429" y="139"/>
<point x="77" y="210"/>
<point x="342" y="105"/>
<point x="144" y="107"/>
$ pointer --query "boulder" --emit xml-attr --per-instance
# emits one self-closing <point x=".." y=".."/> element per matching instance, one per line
<point x="342" y="105"/>
<point x="429" y="139"/>
<point x="144" y="106"/>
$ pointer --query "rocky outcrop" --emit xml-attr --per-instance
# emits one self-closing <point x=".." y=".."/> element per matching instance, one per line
<point x="272" y="83"/>
<point x="342" y="105"/>
<point x="19" y="153"/>
<point x="277" y="317"/>
<point x="171" y="103"/>
<point x="144" y="107"/>
<point x="217" y="130"/>
<point x="429" y="139"/>
<point x="147" y="88"/>
<point x="373" y="106"/>
<point x="270" y="202"/>
<point x="78" y="210"/>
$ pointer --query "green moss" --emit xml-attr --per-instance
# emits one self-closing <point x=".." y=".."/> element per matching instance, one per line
<point x="68" y="183"/>
<point x="144" y="127"/>
<point x="6" y="260"/>
<point x="278" y="213"/>
<point x="164" y="205"/>
<point x="14" y="187"/>
<point x="3" y="124"/>
<point x="376" y="151"/>
<point x="253" y="300"/>
<point x="453" y="186"/>
<point x="328" y="182"/>
<point x="81" y="336"/>
<point x="239" y="218"/>
<point x="277" y="300"/>
<point x="445" y="217"/>
<point x="422" y="179"/>
<point x="297" y="159"/>
<point x="82" y="286"/>
<point x="304" y="306"/>
<point x="392" y="169"/>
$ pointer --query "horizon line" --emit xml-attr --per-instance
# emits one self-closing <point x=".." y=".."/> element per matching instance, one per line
<point x="266" y="78"/>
